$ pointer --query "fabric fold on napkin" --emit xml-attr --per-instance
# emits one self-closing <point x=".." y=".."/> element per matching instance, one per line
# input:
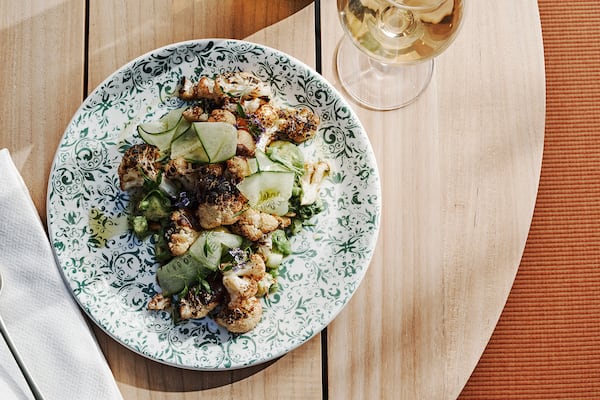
<point x="41" y="316"/>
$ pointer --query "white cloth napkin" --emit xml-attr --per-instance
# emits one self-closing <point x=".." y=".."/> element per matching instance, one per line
<point x="43" y="319"/>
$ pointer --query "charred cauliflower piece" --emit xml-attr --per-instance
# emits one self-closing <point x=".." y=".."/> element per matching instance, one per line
<point x="313" y="177"/>
<point x="297" y="125"/>
<point x="204" y="89"/>
<point x="246" y="146"/>
<point x="243" y="86"/>
<point x="182" y="171"/>
<point x="237" y="168"/>
<point x="232" y="88"/>
<point x="267" y="116"/>
<point x="223" y="211"/>
<point x="241" y="316"/>
<point x="195" y="114"/>
<point x="182" y="232"/>
<point x="199" y="302"/>
<point x="243" y="311"/>
<point x="253" y="224"/>
<point x="159" y="302"/>
<point x="140" y="162"/>
<point x="220" y="115"/>
<point x="253" y="268"/>
<point x="238" y="287"/>
<point x="263" y="123"/>
<point x="220" y="201"/>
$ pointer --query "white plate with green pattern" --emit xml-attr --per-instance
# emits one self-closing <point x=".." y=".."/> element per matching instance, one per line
<point x="112" y="274"/>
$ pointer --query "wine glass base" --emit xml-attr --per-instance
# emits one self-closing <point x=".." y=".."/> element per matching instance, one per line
<point x="380" y="86"/>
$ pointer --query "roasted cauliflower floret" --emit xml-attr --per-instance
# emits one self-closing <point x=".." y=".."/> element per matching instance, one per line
<point x="254" y="224"/>
<point x="159" y="302"/>
<point x="182" y="232"/>
<point x="224" y="212"/>
<point x="211" y="170"/>
<point x="191" y="307"/>
<point x="232" y="88"/>
<point x="238" y="287"/>
<point x="267" y="116"/>
<point x="243" y="282"/>
<point x="199" y="302"/>
<point x="140" y="162"/>
<point x="204" y="89"/>
<point x="243" y="86"/>
<point x="237" y="168"/>
<point x="254" y="268"/>
<point x="183" y="171"/>
<point x="220" y="201"/>
<point x="195" y="114"/>
<point x="313" y="177"/>
<point x="261" y="126"/>
<point x="220" y="115"/>
<point x="297" y="125"/>
<point x="241" y="316"/>
<point x="246" y="145"/>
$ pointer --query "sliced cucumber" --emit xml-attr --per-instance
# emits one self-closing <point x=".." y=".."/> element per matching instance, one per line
<point x="208" y="248"/>
<point x="261" y="162"/>
<point x="179" y="273"/>
<point x="288" y="154"/>
<point x="183" y="126"/>
<point x="206" y="142"/>
<point x="228" y="240"/>
<point x="162" y="132"/>
<point x="268" y="191"/>
<point x="197" y="263"/>
<point x="189" y="147"/>
<point x="219" y="140"/>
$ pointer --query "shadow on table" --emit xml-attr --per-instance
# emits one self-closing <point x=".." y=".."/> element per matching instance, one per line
<point x="115" y="41"/>
<point x="133" y="371"/>
<point x="155" y="376"/>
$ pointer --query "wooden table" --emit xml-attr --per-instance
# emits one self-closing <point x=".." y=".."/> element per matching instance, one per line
<point x="459" y="171"/>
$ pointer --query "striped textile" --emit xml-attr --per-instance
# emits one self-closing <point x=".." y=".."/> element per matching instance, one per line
<point x="547" y="342"/>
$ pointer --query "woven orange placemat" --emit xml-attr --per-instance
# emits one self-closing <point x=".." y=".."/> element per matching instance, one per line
<point x="547" y="342"/>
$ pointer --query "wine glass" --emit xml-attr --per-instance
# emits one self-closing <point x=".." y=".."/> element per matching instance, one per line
<point x="385" y="59"/>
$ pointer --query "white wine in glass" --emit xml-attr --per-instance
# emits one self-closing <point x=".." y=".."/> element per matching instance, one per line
<point x="385" y="60"/>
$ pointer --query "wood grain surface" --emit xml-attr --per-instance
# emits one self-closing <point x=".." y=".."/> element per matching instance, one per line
<point x="42" y="66"/>
<point x="459" y="169"/>
<point x="459" y="173"/>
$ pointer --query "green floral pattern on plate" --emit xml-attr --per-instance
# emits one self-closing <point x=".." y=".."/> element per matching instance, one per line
<point x="112" y="274"/>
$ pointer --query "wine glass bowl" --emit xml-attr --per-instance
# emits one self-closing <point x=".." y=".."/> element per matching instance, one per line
<point x="385" y="60"/>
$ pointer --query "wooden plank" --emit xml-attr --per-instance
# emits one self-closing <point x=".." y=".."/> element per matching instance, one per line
<point x="121" y="31"/>
<point x="294" y="376"/>
<point x="41" y="43"/>
<point x="460" y="170"/>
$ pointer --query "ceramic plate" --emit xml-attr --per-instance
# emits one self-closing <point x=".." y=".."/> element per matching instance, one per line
<point x="112" y="274"/>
